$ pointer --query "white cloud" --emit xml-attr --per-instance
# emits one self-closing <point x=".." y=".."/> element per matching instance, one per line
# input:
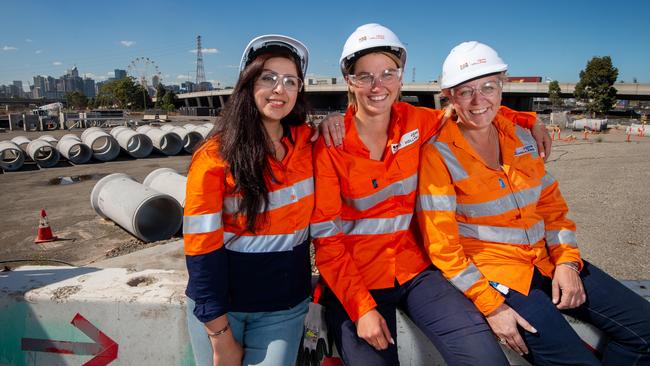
<point x="57" y="63"/>
<point x="28" y="40"/>
<point x="232" y="66"/>
<point x="183" y="77"/>
<point x="127" y="43"/>
<point x="9" y="48"/>
<point x="38" y="52"/>
<point x="209" y="72"/>
<point x="166" y="76"/>
<point x="111" y="73"/>
<point x="206" y="50"/>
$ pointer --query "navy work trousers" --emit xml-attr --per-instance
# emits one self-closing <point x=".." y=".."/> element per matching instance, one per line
<point x="443" y="313"/>
<point x="623" y="315"/>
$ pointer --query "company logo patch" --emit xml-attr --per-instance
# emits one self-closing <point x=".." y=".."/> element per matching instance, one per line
<point x="525" y="149"/>
<point x="406" y="140"/>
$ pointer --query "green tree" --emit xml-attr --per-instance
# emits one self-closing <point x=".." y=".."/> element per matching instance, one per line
<point x="123" y="93"/>
<point x="76" y="100"/>
<point x="168" y="101"/>
<point x="595" y="87"/>
<point x="160" y="94"/>
<point x="554" y="94"/>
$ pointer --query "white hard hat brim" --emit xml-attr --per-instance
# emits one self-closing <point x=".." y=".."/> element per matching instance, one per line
<point x="476" y="72"/>
<point x="291" y="44"/>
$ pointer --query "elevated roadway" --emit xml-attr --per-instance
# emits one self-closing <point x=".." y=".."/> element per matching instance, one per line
<point x="333" y="96"/>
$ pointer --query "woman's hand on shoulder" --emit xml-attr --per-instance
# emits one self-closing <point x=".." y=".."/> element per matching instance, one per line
<point x="504" y="322"/>
<point x="567" y="289"/>
<point x="331" y="128"/>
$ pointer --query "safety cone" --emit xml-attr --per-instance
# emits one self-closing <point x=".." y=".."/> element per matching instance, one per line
<point x="628" y="136"/>
<point x="44" y="230"/>
<point x="584" y="135"/>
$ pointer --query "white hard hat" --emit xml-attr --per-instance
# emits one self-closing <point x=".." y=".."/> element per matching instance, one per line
<point x="371" y="36"/>
<point x="470" y="60"/>
<point x="259" y="44"/>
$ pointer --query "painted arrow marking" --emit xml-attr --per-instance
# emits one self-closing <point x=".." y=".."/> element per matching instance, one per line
<point x="104" y="349"/>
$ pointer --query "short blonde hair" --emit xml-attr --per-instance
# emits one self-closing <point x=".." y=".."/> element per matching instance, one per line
<point x="352" y="100"/>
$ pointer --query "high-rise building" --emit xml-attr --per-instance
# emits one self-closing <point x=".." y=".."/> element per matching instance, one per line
<point x="17" y="88"/>
<point x="50" y="85"/>
<point x="120" y="74"/>
<point x="89" y="87"/>
<point x="40" y="88"/>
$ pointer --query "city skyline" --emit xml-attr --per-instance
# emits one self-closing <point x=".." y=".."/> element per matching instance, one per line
<point x="553" y="39"/>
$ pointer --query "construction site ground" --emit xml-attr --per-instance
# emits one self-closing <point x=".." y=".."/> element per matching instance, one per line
<point x="604" y="179"/>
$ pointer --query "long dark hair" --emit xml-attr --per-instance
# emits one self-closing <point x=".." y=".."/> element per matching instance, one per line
<point x="244" y="143"/>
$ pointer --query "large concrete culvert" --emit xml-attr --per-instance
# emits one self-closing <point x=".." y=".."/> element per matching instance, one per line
<point x="71" y="147"/>
<point x="134" y="143"/>
<point x="103" y="145"/>
<point x="12" y="157"/>
<point x="144" y="212"/>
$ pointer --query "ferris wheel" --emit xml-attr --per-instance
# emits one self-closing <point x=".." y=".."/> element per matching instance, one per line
<point x="144" y="70"/>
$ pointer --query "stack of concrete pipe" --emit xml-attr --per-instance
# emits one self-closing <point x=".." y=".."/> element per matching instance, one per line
<point x="202" y="129"/>
<point x="103" y="145"/>
<point x="143" y="211"/>
<point x="71" y="147"/>
<point x="21" y="141"/>
<point x="134" y="143"/>
<point x="638" y="130"/>
<point x="167" y="143"/>
<point x="191" y="139"/>
<point x="12" y="157"/>
<point x="43" y="152"/>
<point x="167" y="181"/>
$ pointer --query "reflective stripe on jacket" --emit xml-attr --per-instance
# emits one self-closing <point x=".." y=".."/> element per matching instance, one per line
<point x="364" y="208"/>
<point x="231" y="269"/>
<point x="480" y="223"/>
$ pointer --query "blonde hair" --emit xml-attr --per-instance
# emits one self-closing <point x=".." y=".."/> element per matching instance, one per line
<point x="352" y="100"/>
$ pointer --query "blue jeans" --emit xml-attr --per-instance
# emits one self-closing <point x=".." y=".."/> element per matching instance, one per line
<point x="269" y="338"/>
<point x="616" y="310"/>
<point x="443" y="313"/>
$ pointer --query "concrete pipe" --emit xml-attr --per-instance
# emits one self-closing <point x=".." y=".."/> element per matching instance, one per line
<point x="191" y="139"/>
<point x="589" y="124"/>
<point x="209" y="125"/>
<point x="12" y="157"/>
<point x="167" y="181"/>
<point x="22" y="142"/>
<point x="203" y="130"/>
<point x="144" y="212"/>
<point x="167" y="127"/>
<point x="43" y="153"/>
<point x="189" y="126"/>
<point x="71" y="147"/>
<point x="103" y="145"/>
<point x="49" y="138"/>
<point x="134" y="143"/>
<point x="167" y="143"/>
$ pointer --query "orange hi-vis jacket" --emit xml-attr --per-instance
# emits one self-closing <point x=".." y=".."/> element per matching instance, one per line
<point x="363" y="209"/>
<point x="231" y="269"/>
<point x="480" y="224"/>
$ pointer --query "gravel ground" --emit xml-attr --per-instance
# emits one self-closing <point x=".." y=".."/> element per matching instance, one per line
<point x="603" y="179"/>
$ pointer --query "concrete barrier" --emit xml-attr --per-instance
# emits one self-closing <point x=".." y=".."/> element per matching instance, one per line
<point x="138" y="209"/>
<point x="92" y="316"/>
<point x="12" y="157"/>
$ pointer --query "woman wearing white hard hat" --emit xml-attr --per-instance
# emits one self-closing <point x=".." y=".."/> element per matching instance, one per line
<point x="368" y="257"/>
<point x="496" y="224"/>
<point x="246" y="224"/>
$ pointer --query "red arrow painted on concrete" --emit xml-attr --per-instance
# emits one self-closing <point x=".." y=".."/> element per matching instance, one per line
<point x="104" y="349"/>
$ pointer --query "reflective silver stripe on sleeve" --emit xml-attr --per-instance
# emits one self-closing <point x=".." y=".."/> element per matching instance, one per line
<point x="399" y="188"/>
<point x="280" y="198"/>
<point x="500" y="205"/>
<point x="547" y="180"/>
<point x="264" y="243"/>
<point x="435" y="202"/>
<point x="377" y="226"/>
<point x="526" y="138"/>
<point x="466" y="278"/>
<point x="201" y="224"/>
<point x="326" y="229"/>
<point x="499" y="234"/>
<point x="456" y="170"/>
<point x="566" y="237"/>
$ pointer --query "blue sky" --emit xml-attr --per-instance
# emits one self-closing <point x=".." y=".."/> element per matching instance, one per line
<point x="552" y="39"/>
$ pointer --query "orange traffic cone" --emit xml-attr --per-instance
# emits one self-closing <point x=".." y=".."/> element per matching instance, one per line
<point x="584" y="135"/>
<point x="628" y="136"/>
<point x="44" y="230"/>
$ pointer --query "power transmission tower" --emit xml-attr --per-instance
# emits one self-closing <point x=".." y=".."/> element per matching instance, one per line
<point x="200" y="72"/>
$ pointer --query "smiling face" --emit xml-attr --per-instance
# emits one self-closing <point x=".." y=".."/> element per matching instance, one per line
<point x="377" y="97"/>
<point x="479" y="110"/>
<point x="277" y="102"/>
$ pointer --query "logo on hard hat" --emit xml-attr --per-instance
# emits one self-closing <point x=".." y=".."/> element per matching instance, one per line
<point x="364" y="38"/>
<point x="463" y="66"/>
<point x="479" y="61"/>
